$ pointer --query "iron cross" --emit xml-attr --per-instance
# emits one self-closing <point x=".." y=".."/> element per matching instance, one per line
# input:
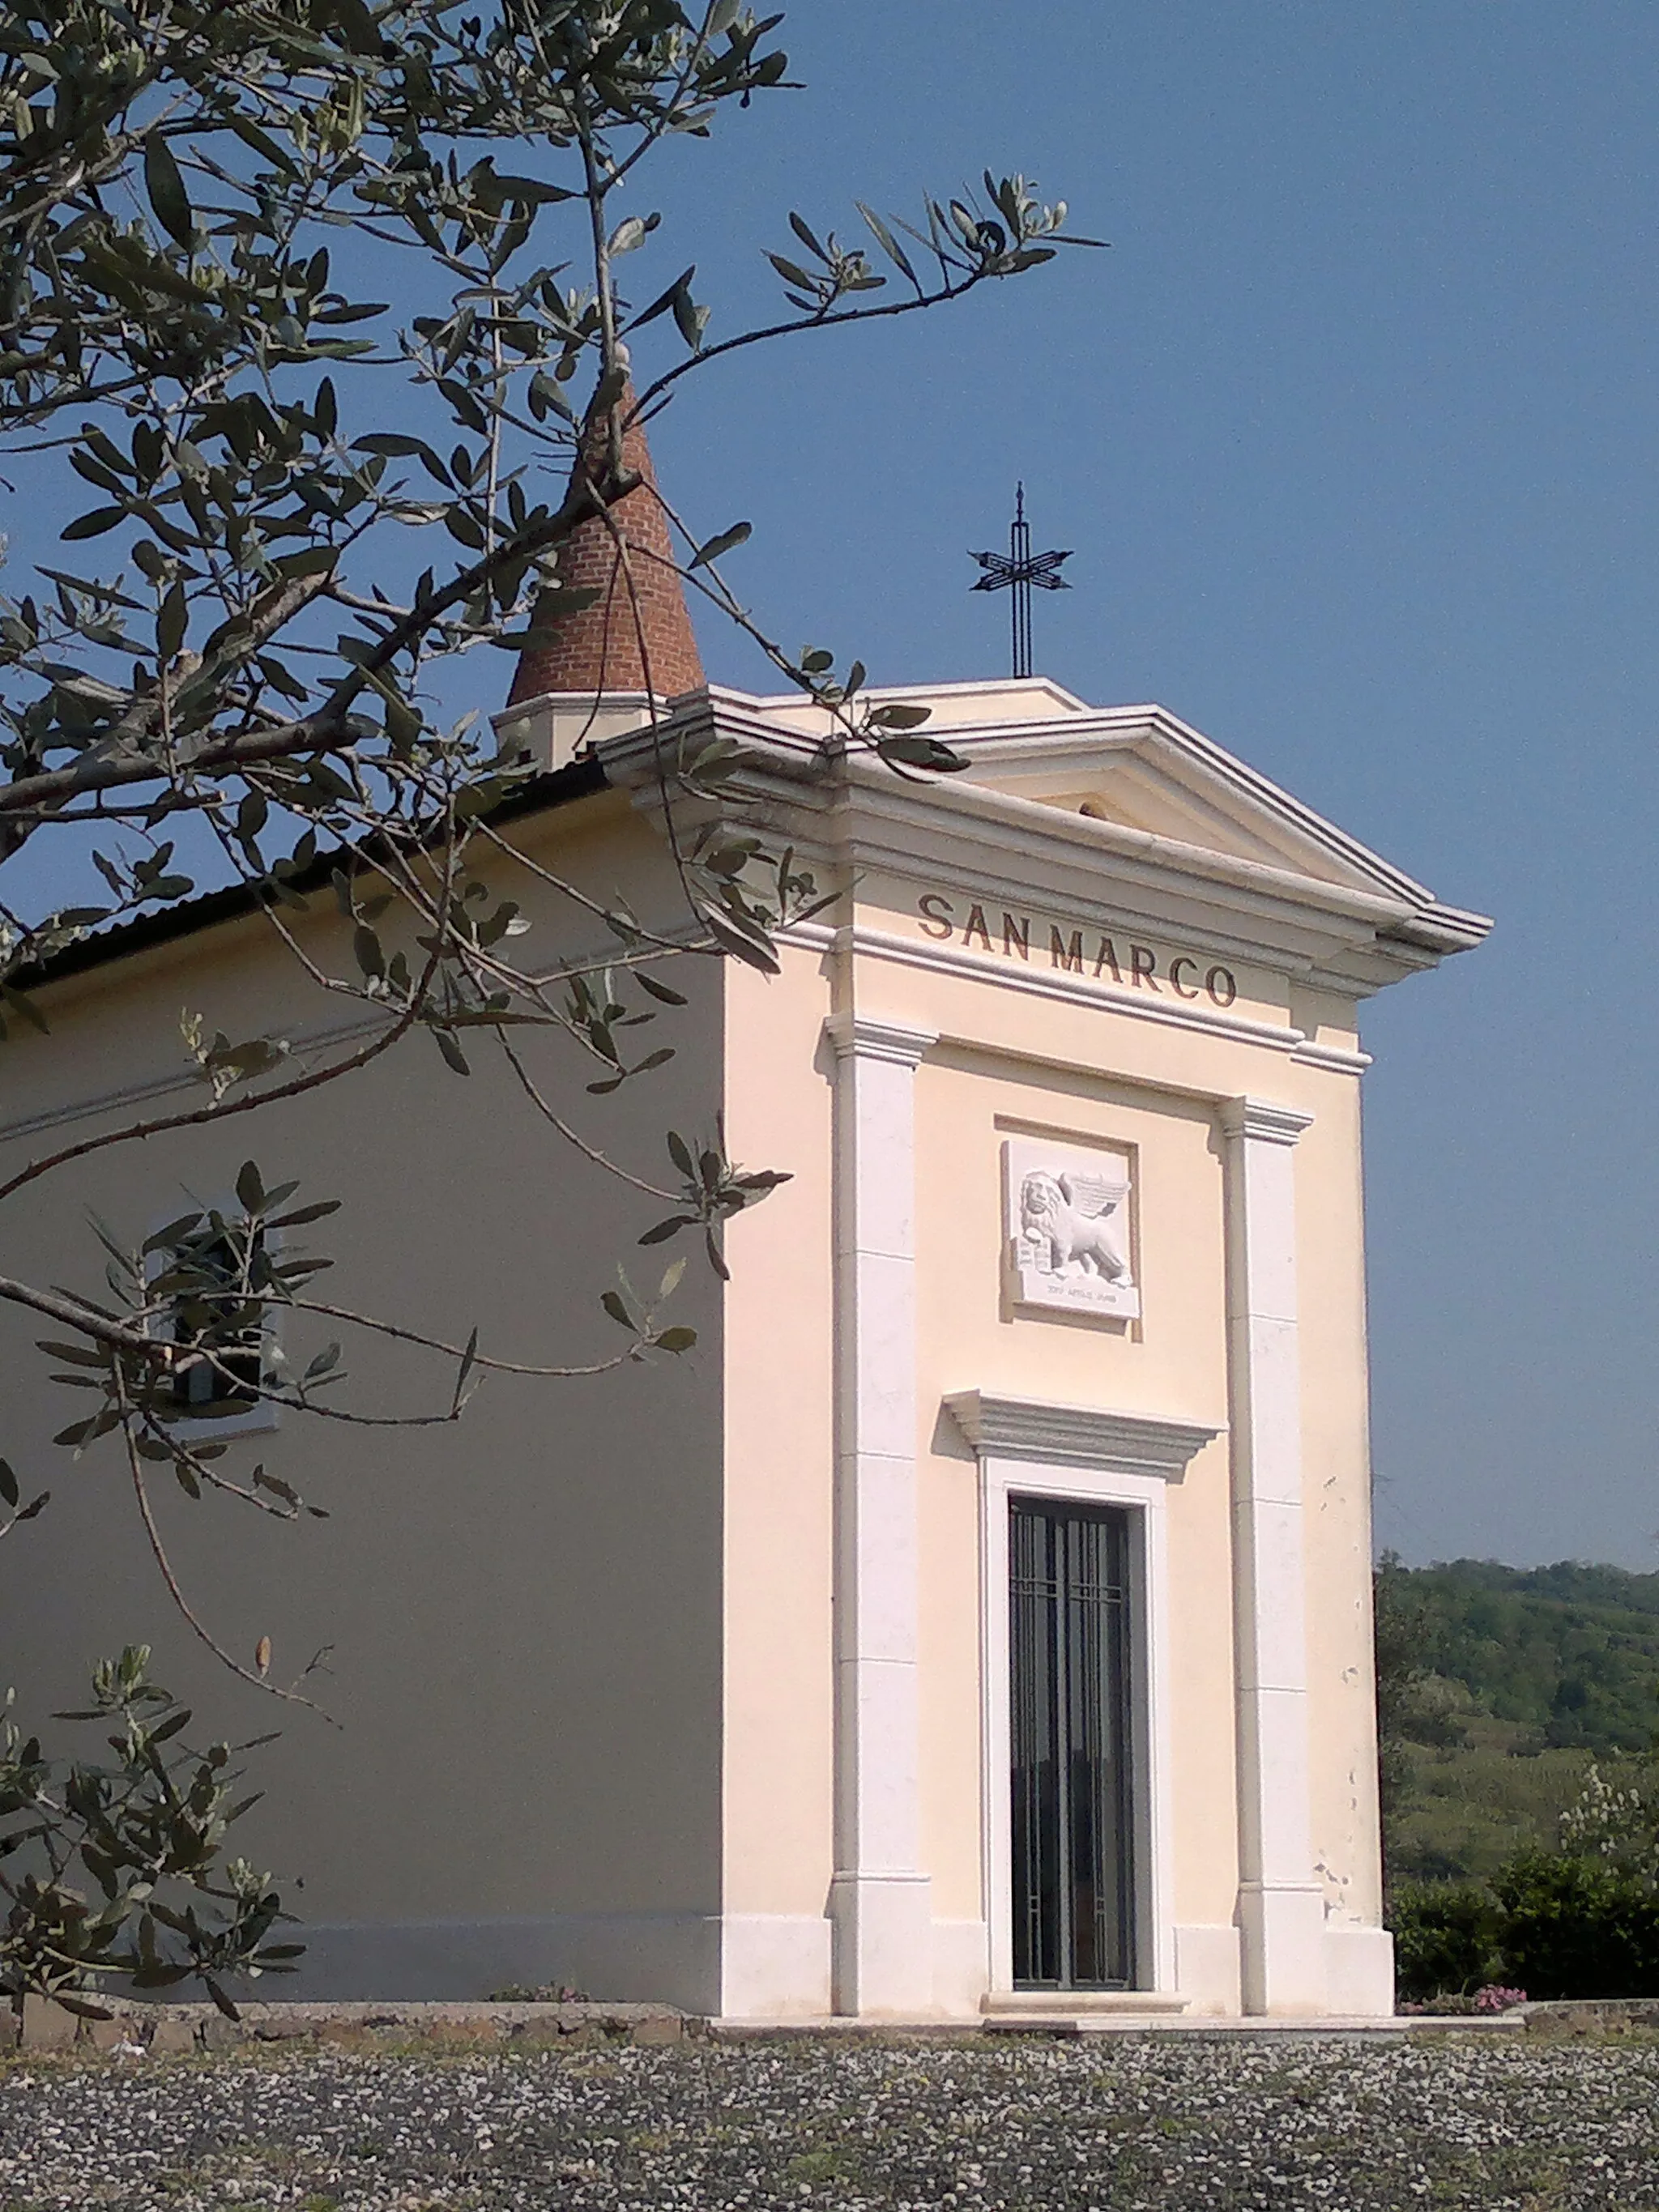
<point x="1015" y="572"/>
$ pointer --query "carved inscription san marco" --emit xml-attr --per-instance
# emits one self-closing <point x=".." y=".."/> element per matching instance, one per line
<point x="1086" y="952"/>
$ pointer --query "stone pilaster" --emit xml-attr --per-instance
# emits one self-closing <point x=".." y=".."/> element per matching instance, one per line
<point x="1281" y="1906"/>
<point x="880" y="1905"/>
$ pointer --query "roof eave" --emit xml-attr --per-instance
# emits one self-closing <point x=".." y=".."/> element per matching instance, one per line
<point x="234" y="902"/>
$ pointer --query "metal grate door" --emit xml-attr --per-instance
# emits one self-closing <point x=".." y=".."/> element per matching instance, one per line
<point x="1069" y="1647"/>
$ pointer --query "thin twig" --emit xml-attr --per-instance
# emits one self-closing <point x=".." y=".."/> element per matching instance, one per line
<point x="147" y="1515"/>
<point x="589" y="1151"/>
<point x="453" y="1351"/>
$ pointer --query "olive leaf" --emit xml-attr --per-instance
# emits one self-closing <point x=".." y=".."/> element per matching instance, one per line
<point x="165" y="184"/>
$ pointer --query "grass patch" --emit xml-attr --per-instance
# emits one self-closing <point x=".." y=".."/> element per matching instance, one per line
<point x="816" y="2169"/>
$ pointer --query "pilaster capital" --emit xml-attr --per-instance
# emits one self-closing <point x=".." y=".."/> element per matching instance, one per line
<point x="861" y="1036"/>
<point x="1261" y="1121"/>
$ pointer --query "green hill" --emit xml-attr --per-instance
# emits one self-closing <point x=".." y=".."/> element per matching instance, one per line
<point x="1497" y="1685"/>
<point x="1567" y="1654"/>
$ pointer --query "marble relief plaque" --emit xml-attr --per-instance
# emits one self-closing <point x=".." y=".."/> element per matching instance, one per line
<point x="1067" y="1212"/>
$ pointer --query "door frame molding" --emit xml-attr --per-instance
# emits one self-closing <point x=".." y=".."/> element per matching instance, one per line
<point x="1026" y="1449"/>
<point x="1047" y="1525"/>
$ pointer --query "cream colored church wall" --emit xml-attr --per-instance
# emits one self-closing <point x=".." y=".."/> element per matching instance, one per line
<point x="778" y="1771"/>
<point x="575" y="1664"/>
<point x="1171" y="1363"/>
<point x="524" y="1608"/>
<point x="1012" y="1061"/>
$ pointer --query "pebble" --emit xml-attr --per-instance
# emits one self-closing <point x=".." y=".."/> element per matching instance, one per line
<point x="1171" y="2125"/>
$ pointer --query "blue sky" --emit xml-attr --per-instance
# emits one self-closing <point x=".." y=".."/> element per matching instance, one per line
<point x="1352" y="432"/>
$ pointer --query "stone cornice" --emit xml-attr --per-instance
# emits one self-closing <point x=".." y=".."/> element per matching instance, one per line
<point x="998" y="817"/>
<point x="965" y="837"/>
<point x="1352" y="935"/>
<point x="875" y="945"/>
<point x="1080" y="1436"/>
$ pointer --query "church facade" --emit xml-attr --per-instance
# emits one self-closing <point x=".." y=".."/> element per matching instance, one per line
<point x="978" y="1618"/>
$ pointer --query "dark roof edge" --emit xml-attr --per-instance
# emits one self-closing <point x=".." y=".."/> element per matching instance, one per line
<point x="556" y="787"/>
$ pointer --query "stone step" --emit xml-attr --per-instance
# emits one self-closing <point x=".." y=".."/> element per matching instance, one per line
<point x="1080" y="2004"/>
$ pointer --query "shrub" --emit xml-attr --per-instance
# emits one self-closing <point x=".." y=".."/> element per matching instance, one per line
<point x="1447" y="1937"/>
<point x="1579" y="1922"/>
<point x="1576" y="1927"/>
<point x="1492" y="1997"/>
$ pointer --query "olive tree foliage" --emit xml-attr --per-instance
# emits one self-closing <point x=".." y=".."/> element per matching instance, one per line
<point x="287" y="504"/>
<point x="113" y="1866"/>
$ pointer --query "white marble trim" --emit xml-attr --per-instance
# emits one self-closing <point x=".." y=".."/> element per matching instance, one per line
<point x="1280" y="1907"/>
<point x="1000" y="1478"/>
<point x="1080" y="1436"/>
<point x="862" y="1035"/>
<point x="1262" y="1119"/>
<point x="880" y="1900"/>
<point x="1336" y="1059"/>
<point x="1134" y="1006"/>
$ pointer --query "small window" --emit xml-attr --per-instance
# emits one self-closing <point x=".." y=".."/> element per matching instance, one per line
<point x="207" y="1276"/>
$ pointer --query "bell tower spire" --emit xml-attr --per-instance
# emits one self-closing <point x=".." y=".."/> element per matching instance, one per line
<point x="637" y="636"/>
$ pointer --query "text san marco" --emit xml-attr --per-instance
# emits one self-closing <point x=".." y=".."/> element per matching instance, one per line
<point x="1069" y="952"/>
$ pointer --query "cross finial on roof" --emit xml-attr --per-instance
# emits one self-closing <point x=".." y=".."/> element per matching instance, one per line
<point x="1016" y="572"/>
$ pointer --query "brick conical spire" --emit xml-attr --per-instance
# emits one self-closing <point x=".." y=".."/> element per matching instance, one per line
<point x="598" y="650"/>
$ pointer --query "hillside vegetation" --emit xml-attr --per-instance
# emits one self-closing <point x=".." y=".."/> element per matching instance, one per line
<point x="1497" y="1687"/>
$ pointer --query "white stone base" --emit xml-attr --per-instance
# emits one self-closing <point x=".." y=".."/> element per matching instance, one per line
<point x="776" y="1966"/>
<point x="1282" y="1942"/>
<point x="1206" y="1971"/>
<point x="1359" y="1971"/>
<point x="882" y="1945"/>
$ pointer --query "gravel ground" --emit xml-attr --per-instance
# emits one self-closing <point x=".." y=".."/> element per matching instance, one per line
<point x="1115" y="2123"/>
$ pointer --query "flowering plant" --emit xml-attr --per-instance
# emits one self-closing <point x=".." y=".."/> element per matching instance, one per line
<point x="1496" y="1998"/>
<point x="1493" y="1996"/>
<point x="1618" y="1825"/>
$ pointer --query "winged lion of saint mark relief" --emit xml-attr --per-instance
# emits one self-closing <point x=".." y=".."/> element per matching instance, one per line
<point x="1071" y="1220"/>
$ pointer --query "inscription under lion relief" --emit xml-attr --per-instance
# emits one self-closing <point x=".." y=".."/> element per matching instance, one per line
<point x="1066" y="1211"/>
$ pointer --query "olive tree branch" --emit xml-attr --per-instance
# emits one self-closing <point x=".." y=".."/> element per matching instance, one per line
<point x="146" y="1514"/>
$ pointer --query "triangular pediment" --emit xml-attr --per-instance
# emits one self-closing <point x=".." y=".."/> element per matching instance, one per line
<point x="1143" y="769"/>
<point x="1127" y="805"/>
